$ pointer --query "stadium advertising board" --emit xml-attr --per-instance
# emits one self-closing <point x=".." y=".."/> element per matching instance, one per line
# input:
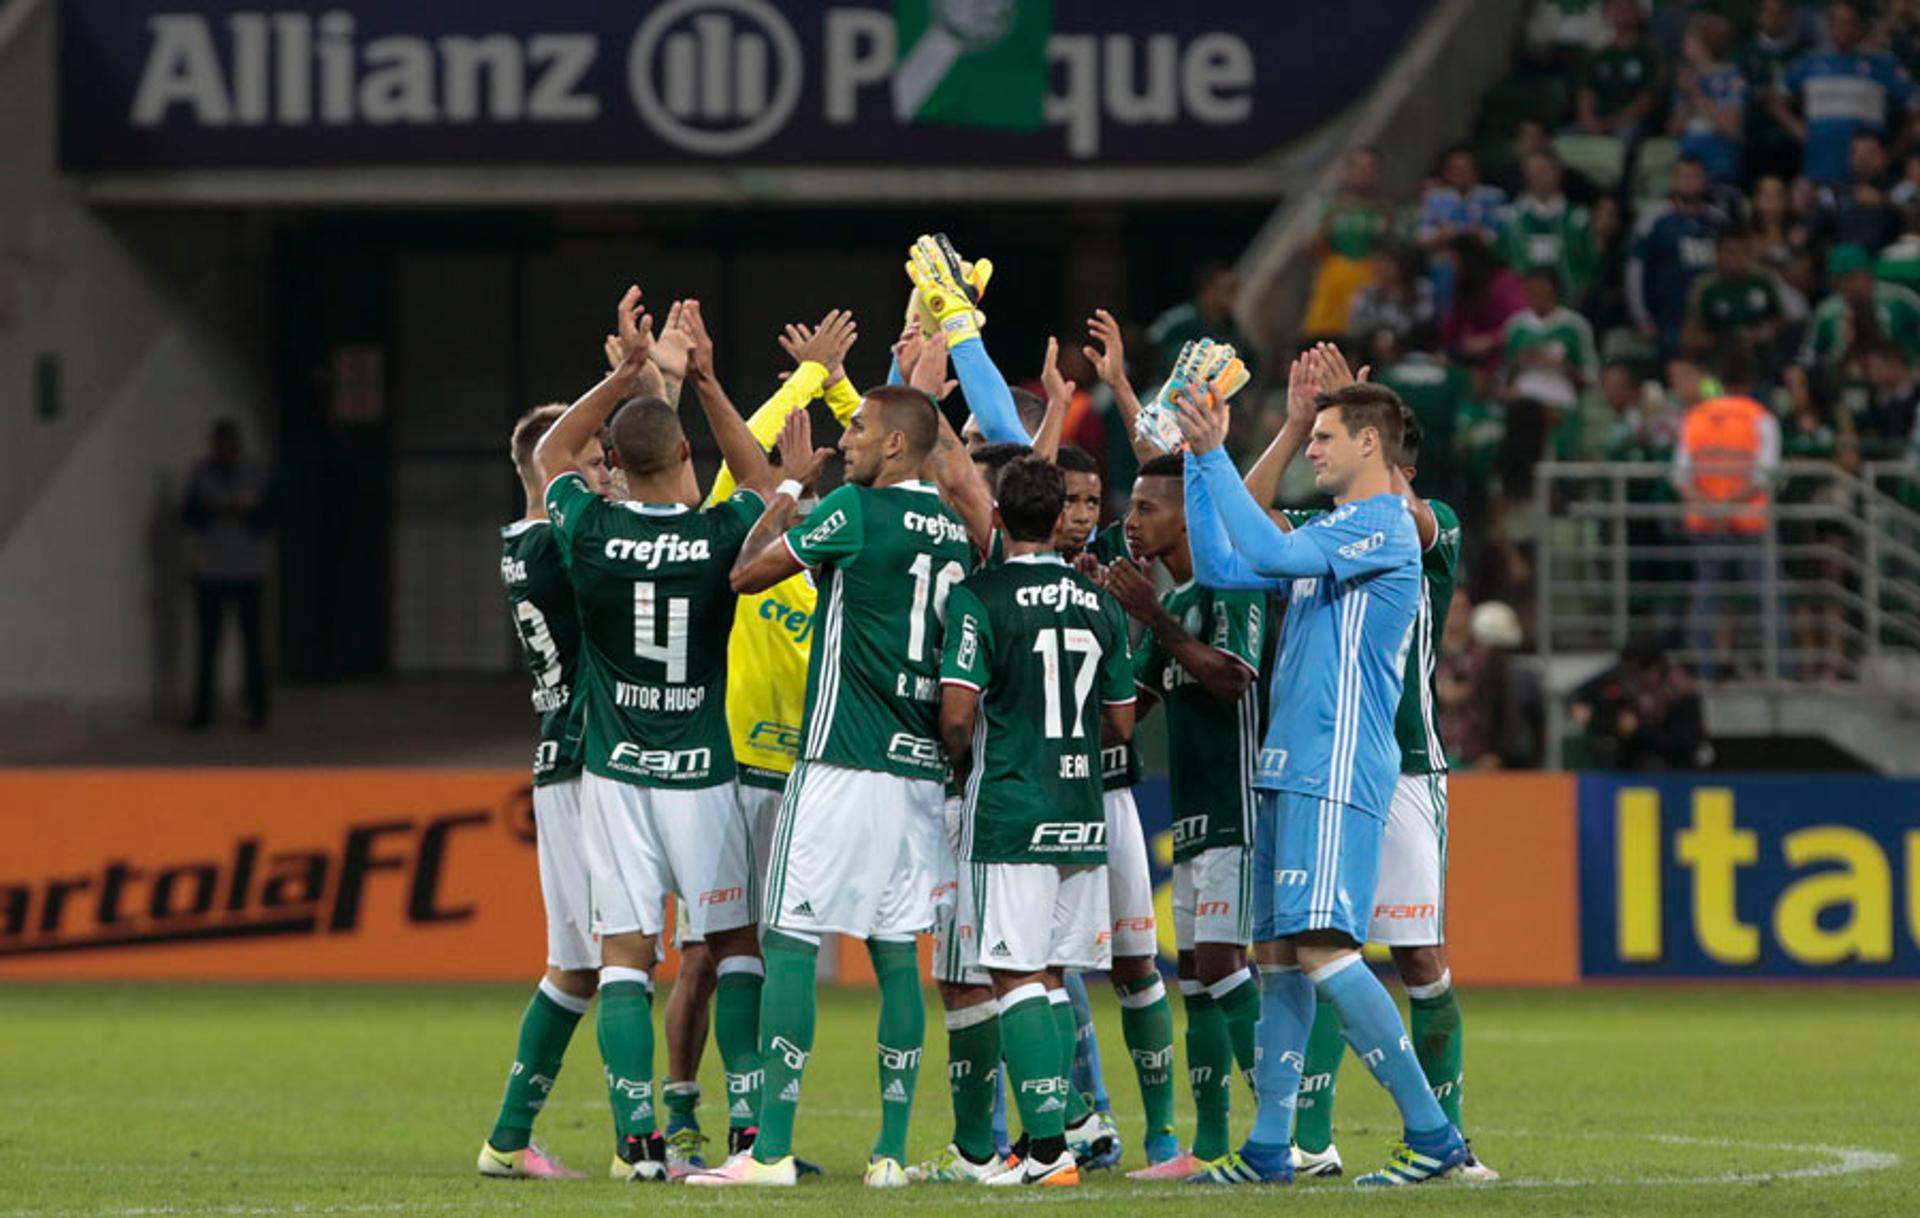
<point x="1721" y="877"/>
<point x="363" y="875"/>
<point x="174" y="84"/>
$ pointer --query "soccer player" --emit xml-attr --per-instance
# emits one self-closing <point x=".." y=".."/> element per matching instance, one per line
<point x="660" y="814"/>
<point x="857" y="851"/>
<point x="541" y="600"/>
<point x="1330" y="764"/>
<point x="1146" y="1019"/>
<point x="1202" y="661"/>
<point x="1032" y="634"/>
<point x="1410" y="903"/>
<point x="766" y="686"/>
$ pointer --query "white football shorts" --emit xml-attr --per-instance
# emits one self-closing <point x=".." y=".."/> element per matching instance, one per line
<point x="1410" y="898"/>
<point x="646" y="844"/>
<point x="857" y="852"/>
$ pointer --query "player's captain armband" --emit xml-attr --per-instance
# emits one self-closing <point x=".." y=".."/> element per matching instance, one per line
<point x="1201" y="362"/>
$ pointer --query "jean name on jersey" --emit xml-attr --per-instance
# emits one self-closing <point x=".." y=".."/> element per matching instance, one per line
<point x="682" y="698"/>
<point x="650" y="552"/>
<point x="1059" y="596"/>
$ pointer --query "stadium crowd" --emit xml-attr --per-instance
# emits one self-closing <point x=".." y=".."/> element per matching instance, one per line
<point x="1668" y="205"/>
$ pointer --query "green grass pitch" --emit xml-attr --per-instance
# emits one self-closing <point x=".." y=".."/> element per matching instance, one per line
<point x="241" y="1100"/>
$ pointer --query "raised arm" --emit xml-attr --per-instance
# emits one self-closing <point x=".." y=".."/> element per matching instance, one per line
<point x="1263" y="547"/>
<point x="762" y="562"/>
<point x="950" y="300"/>
<point x="961" y="485"/>
<point x="1215" y="564"/>
<point x="817" y="352"/>
<point x="554" y="454"/>
<point x="741" y="452"/>
<point x="1220" y="674"/>
<point x="1109" y="360"/>
<point x="1059" y="400"/>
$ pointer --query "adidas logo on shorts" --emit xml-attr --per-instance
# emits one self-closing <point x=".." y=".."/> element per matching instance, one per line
<point x="803" y="910"/>
<point x="999" y="949"/>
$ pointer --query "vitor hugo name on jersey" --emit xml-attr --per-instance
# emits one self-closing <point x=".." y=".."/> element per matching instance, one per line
<point x="675" y="699"/>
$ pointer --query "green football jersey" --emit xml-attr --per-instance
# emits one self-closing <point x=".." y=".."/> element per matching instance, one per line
<point x="1212" y="745"/>
<point x="1555" y="236"/>
<point x="540" y="597"/>
<point x="1830" y="335"/>
<point x="1047" y="649"/>
<point x="1119" y="764"/>
<point x="1416" y="721"/>
<point x="1729" y="302"/>
<point x="885" y="559"/>
<point x="655" y="613"/>
<point x="1562" y="331"/>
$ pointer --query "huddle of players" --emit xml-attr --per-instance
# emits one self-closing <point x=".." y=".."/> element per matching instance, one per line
<point x="861" y="843"/>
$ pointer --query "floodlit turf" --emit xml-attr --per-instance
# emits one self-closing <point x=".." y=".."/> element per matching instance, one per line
<point x="369" y="1100"/>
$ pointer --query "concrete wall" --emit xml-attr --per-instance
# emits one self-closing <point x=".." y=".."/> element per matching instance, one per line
<point x="155" y="323"/>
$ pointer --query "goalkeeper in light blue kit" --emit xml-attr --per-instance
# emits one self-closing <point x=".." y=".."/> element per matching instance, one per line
<point x="1327" y="771"/>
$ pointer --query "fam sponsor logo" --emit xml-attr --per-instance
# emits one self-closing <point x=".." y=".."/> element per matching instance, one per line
<point x="918" y="750"/>
<point x="630" y="758"/>
<point x="1057" y="836"/>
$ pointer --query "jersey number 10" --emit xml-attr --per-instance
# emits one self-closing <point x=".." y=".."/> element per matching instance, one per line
<point x="928" y="587"/>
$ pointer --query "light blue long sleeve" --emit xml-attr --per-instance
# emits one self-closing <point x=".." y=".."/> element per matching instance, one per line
<point x="1215" y="564"/>
<point x="987" y="393"/>
<point x="1266" y="548"/>
<point x="893" y="371"/>
<point x="1262" y="546"/>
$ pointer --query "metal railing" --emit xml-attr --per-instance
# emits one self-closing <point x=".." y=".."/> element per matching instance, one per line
<point x="1827" y="592"/>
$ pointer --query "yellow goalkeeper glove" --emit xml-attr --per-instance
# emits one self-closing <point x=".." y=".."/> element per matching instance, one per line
<point x="946" y="289"/>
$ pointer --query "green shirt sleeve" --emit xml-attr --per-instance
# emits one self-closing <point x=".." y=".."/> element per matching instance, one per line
<point x="569" y="502"/>
<point x="966" y="653"/>
<point x="1442" y="558"/>
<point x="833" y="531"/>
<point x="1116" y="667"/>
<point x="735" y="517"/>
<point x="1149" y="665"/>
<point x="1239" y="626"/>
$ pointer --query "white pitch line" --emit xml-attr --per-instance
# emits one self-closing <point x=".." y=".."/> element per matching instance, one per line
<point x="1845" y="1161"/>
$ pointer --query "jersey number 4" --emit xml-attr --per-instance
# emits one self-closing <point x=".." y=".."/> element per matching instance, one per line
<point x="1049" y="646"/>
<point x="671" y="654"/>
<point x="928" y="587"/>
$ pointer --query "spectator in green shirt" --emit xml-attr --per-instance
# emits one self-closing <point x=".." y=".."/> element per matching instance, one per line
<point x="1543" y="229"/>
<point x="1741" y="302"/>
<point x="1216" y="288"/>
<point x="1549" y="354"/>
<point x="1859" y="313"/>
<point x="1620" y="84"/>
<point x="1355" y="226"/>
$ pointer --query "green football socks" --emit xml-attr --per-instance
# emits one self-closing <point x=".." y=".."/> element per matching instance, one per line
<point x="736" y="1030"/>
<point x="1036" y="1060"/>
<point x="786" y="1038"/>
<point x="902" y="1036"/>
<point x="1434" y="1024"/>
<point x="1209" y="1063"/>
<point x="1146" y="1022"/>
<point x="973" y="1057"/>
<point x="1238" y="997"/>
<point x="545" y="1029"/>
<point x="1066" y="1029"/>
<point x="626" y="1045"/>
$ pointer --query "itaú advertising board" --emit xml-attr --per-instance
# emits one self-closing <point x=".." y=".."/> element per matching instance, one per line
<point x="1726" y="877"/>
<point x="174" y="84"/>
